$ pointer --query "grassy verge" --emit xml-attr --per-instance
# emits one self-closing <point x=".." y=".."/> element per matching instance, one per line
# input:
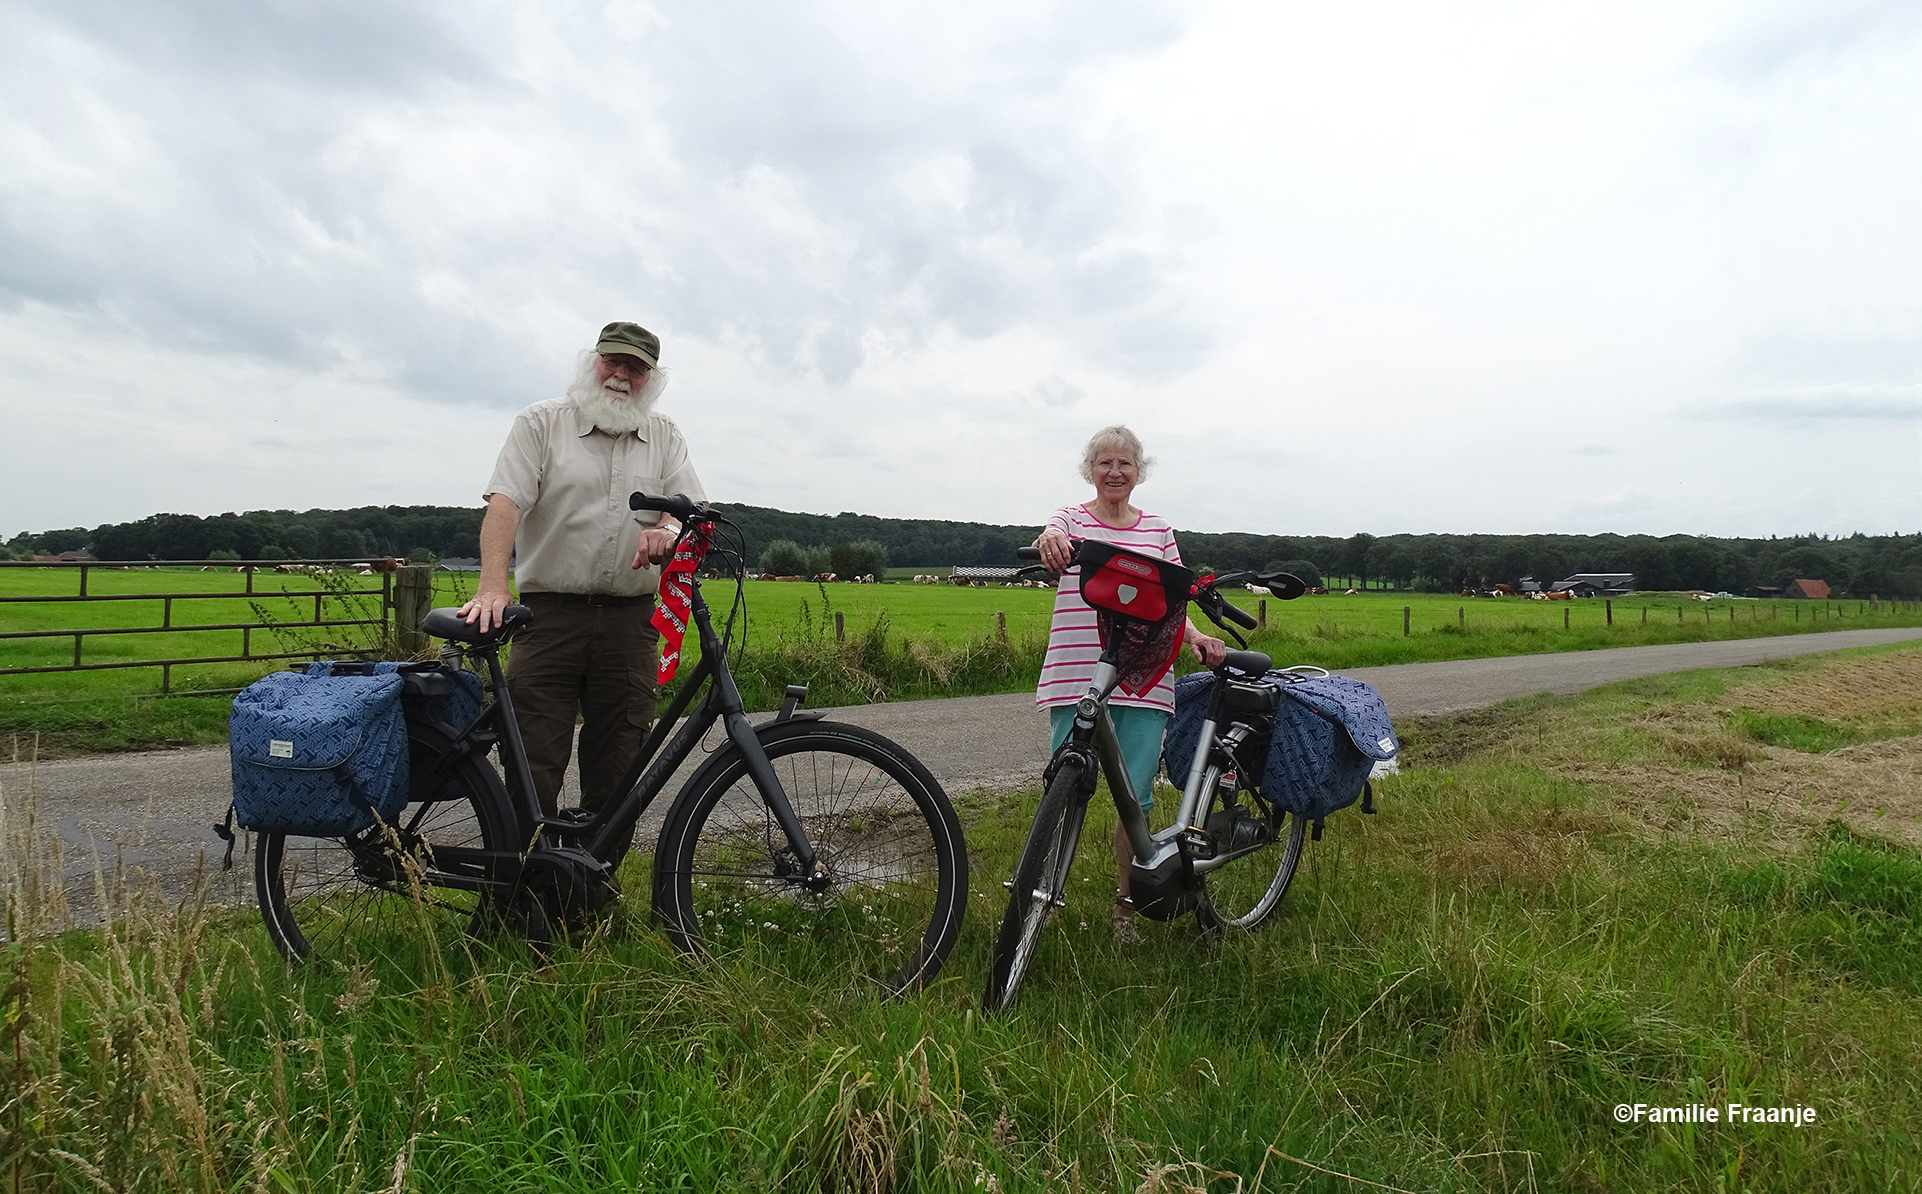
<point x="1638" y="895"/>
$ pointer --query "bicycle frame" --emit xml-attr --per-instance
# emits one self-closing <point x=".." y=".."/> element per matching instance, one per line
<point x="605" y="835"/>
<point x="1093" y="727"/>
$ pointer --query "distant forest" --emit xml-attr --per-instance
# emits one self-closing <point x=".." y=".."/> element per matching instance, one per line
<point x="1858" y="566"/>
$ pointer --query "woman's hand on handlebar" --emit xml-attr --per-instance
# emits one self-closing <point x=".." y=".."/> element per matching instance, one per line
<point x="1056" y="549"/>
<point x="1208" y="649"/>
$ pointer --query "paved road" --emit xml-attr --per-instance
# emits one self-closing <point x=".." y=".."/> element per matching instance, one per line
<point x="152" y="811"/>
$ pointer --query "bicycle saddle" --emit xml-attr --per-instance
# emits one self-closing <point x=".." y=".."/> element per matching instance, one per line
<point x="1248" y="663"/>
<point x="447" y="623"/>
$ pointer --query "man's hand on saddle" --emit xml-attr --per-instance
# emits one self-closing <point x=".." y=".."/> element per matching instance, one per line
<point x="656" y="546"/>
<point x="484" y="611"/>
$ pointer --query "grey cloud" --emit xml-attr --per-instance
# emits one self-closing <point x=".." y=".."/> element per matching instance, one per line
<point x="1796" y="35"/>
<point x="341" y="45"/>
<point x="1058" y="392"/>
<point x="1799" y="358"/>
<point x="226" y="186"/>
<point x="1825" y="404"/>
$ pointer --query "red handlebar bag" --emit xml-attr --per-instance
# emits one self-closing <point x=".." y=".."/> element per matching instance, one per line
<point x="1141" y="605"/>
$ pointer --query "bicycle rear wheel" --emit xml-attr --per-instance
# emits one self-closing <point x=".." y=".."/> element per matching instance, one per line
<point x="1039" y="885"/>
<point x="1245" y="892"/>
<point x="896" y="866"/>
<point x="384" y="890"/>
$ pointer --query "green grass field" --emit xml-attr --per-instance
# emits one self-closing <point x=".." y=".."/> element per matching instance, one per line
<point x="894" y="642"/>
<point x="1565" y="905"/>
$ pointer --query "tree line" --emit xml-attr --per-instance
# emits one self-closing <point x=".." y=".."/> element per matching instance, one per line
<point x="1857" y="565"/>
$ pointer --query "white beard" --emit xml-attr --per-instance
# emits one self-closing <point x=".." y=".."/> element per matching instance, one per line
<point x="610" y="405"/>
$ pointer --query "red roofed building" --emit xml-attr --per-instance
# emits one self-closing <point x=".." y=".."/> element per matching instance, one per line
<point x="1813" y="590"/>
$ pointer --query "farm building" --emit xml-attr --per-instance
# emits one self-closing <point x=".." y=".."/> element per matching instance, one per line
<point x="459" y="564"/>
<point x="1596" y="584"/>
<point x="1810" y="590"/>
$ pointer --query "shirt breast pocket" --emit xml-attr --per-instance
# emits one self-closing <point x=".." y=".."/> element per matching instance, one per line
<point x="652" y="487"/>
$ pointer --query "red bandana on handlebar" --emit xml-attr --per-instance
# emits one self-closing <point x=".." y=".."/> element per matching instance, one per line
<point x="1143" y="601"/>
<point x="677" y="596"/>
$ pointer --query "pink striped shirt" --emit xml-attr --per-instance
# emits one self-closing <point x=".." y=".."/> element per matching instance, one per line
<point x="1074" y="642"/>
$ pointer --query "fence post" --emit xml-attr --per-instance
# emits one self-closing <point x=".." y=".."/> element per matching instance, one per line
<point x="1404" y="621"/>
<point x="1261" y="614"/>
<point x="1609" y="605"/>
<point x="413" y="597"/>
<point x="1565" y="613"/>
<point x="1645" y="615"/>
<point x="841" y="627"/>
<point x="1461" y="617"/>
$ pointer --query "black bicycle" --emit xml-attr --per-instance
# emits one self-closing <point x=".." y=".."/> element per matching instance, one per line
<point x="795" y="826"/>
<point x="1141" y="605"/>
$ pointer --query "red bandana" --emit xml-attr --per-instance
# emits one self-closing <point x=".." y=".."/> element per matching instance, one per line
<point x="677" y="596"/>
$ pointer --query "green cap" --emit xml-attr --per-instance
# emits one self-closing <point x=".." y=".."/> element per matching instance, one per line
<point x="631" y="339"/>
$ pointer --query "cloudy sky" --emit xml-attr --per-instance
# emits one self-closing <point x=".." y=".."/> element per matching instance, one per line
<point x="1498" y="267"/>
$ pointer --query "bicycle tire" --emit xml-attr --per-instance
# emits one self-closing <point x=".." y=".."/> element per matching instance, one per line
<point x="345" y="898"/>
<point x="1242" y="892"/>
<point x="1040" y="878"/>
<point x="896" y="861"/>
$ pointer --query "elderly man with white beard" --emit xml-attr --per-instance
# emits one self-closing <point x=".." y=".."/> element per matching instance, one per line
<point x="585" y="564"/>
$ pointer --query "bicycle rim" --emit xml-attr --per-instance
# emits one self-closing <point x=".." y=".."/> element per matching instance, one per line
<point x="1040" y="880"/>
<point x="1245" y="892"/>
<point x="344" y="899"/>
<point x="889" y="909"/>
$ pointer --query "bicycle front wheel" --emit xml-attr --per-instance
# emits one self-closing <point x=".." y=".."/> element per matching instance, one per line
<point x="1040" y="884"/>
<point x="1245" y="892"/>
<point x="427" y="877"/>
<point x="895" y="868"/>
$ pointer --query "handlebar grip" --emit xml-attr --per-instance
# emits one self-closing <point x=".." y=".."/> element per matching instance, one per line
<point x="1027" y="553"/>
<point x="680" y="505"/>
<point x="1238" y="616"/>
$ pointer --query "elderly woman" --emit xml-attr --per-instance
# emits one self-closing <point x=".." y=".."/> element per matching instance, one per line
<point x="1114" y="464"/>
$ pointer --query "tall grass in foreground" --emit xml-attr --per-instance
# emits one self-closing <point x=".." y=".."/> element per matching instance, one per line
<point x="1455" y="996"/>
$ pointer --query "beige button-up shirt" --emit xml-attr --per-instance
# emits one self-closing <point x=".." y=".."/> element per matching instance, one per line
<point x="571" y="484"/>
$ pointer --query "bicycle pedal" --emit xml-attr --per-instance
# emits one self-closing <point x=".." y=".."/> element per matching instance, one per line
<point x="1198" y="842"/>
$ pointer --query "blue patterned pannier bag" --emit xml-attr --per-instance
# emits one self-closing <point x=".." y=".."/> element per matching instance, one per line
<point x="1329" y="733"/>
<point x="317" y="754"/>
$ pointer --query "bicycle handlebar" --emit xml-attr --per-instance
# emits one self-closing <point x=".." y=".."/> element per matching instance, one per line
<point x="680" y="506"/>
<point x="1239" y="616"/>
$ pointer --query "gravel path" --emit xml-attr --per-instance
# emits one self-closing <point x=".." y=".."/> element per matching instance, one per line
<point x="152" y="811"/>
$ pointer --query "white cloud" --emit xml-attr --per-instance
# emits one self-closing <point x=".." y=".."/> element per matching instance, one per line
<point x="1392" y="267"/>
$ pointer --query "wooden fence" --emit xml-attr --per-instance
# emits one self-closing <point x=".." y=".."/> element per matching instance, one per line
<point x="405" y="593"/>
